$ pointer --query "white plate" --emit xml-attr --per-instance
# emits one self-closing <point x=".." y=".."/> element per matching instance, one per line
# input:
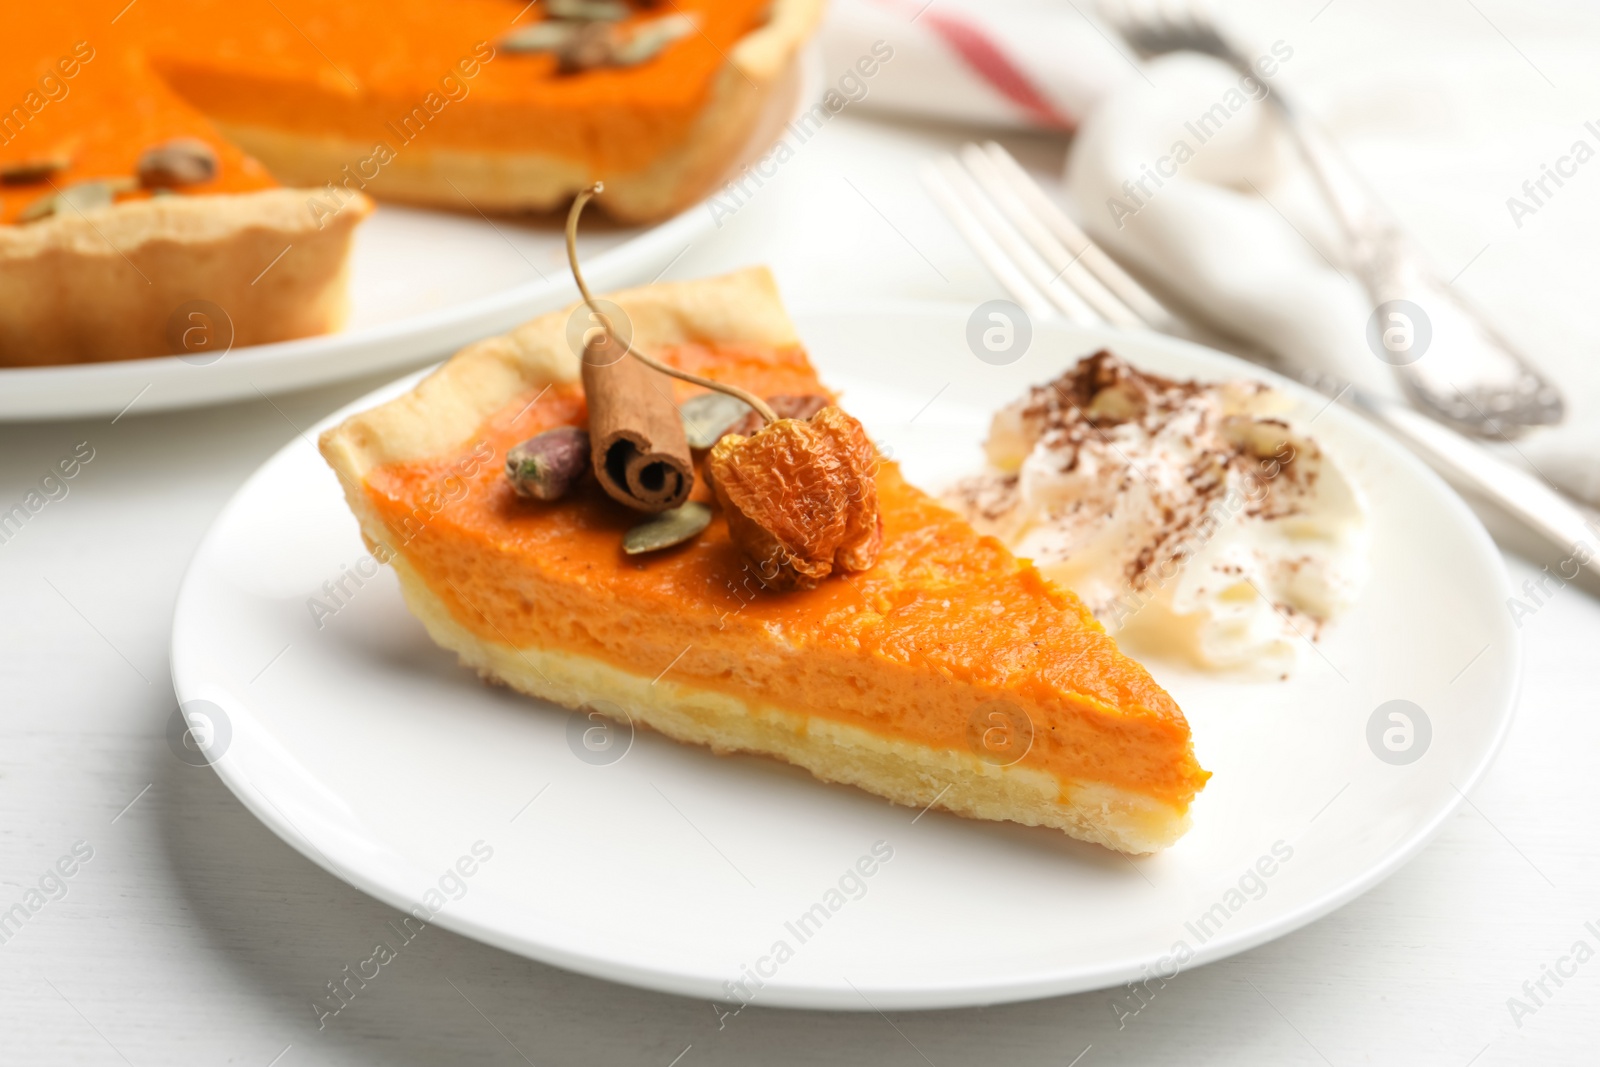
<point x="373" y="753"/>
<point x="423" y="283"/>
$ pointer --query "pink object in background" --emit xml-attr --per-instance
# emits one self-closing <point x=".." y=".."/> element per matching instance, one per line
<point x="1004" y="63"/>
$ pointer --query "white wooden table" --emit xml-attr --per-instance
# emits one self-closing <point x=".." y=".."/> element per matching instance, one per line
<point x="193" y="935"/>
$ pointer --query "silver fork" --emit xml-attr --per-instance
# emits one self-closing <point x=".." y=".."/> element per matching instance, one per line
<point x="1053" y="269"/>
<point x="1486" y="388"/>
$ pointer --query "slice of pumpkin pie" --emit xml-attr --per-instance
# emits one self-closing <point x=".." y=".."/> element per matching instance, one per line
<point x="948" y="673"/>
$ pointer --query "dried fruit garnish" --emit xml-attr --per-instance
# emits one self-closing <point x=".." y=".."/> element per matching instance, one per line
<point x="800" y="497"/>
<point x="591" y="45"/>
<point x="801" y="406"/>
<point x="800" y="493"/>
<point x="32" y="171"/>
<point x="545" y="467"/>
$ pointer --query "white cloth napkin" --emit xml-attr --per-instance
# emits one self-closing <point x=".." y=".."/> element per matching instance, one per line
<point x="996" y="63"/>
<point x="1190" y="178"/>
<point x="1229" y="228"/>
<point x="1187" y="179"/>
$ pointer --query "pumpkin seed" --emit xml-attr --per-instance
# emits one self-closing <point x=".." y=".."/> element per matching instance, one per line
<point x="584" y="35"/>
<point x="546" y="36"/>
<point x="180" y="161"/>
<point x="41" y="208"/>
<point x="31" y="171"/>
<point x="667" y="529"/>
<point x="98" y="193"/>
<point x="587" y="10"/>
<point x="649" y="38"/>
<point x="707" y="417"/>
<point x="78" y="198"/>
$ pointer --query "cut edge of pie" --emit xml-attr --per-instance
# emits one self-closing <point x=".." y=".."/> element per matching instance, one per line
<point x="446" y="410"/>
<point x="72" y="281"/>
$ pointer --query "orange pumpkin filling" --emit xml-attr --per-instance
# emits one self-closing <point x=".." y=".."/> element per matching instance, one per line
<point x="945" y="622"/>
<point x="74" y="83"/>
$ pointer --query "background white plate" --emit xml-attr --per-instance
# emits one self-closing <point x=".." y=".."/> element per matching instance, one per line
<point x="373" y="753"/>
<point x="423" y="283"/>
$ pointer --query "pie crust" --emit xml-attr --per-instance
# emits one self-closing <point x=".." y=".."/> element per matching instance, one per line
<point x="118" y="282"/>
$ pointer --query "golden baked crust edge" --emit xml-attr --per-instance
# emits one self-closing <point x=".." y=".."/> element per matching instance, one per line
<point x="103" y="285"/>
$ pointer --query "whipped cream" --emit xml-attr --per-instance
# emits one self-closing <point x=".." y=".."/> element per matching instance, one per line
<point x="1189" y="517"/>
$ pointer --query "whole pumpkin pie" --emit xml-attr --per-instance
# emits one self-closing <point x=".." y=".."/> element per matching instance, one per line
<point x="285" y="117"/>
<point x="949" y="673"/>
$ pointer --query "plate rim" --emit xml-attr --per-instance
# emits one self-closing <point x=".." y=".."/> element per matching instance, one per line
<point x="411" y="336"/>
<point x="815" y="996"/>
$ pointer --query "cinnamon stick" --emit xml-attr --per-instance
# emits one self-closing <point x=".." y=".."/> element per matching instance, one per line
<point x="640" y="454"/>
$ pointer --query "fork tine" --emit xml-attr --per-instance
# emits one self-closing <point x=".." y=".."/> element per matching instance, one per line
<point x="972" y="231"/>
<point x="1102" y="266"/>
<point x="1022" y="256"/>
<point x="1066" y="265"/>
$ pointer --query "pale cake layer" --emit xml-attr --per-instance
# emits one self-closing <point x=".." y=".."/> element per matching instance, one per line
<point x="902" y="771"/>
